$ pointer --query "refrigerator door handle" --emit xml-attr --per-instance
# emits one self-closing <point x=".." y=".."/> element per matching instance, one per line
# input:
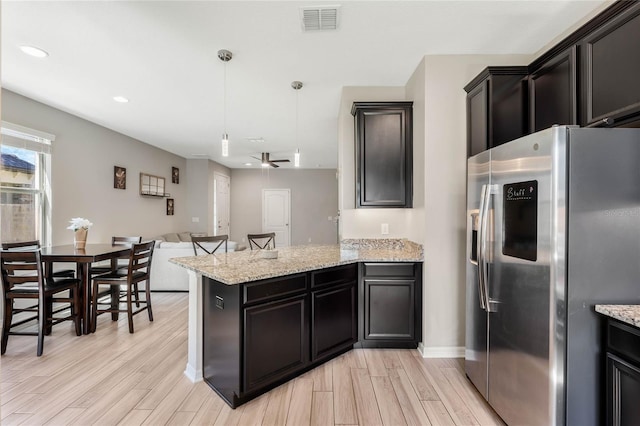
<point x="480" y="248"/>
<point x="484" y="266"/>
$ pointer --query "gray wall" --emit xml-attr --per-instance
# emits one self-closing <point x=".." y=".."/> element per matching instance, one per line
<point x="200" y="195"/>
<point x="314" y="197"/>
<point x="83" y="157"/>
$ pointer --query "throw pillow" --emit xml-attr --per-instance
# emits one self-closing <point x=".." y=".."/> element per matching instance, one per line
<point x="172" y="238"/>
<point x="185" y="236"/>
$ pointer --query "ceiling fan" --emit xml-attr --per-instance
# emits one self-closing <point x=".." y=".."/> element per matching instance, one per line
<point x="267" y="162"/>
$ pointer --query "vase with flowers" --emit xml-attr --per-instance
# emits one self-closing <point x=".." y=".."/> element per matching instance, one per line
<point x="80" y="228"/>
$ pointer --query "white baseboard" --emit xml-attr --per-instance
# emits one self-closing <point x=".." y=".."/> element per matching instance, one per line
<point x="441" y="351"/>
<point x="193" y="374"/>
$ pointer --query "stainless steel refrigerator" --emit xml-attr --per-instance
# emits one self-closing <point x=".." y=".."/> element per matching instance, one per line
<point x="553" y="228"/>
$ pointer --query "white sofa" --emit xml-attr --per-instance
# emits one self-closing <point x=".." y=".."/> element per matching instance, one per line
<point x="166" y="276"/>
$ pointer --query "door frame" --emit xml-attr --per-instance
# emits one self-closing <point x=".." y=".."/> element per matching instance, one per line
<point x="215" y="201"/>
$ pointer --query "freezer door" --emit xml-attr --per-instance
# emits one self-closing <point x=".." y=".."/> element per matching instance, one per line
<point x="476" y="316"/>
<point x="519" y="285"/>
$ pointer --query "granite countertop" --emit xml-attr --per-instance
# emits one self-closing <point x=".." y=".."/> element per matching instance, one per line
<point x="245" y="266"/>
<point x="625" y="313"/>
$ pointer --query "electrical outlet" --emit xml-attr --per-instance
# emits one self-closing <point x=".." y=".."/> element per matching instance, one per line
<point x="384" y="228"/>
<point x="243" y="240"/>
<point x="309" y="239"/>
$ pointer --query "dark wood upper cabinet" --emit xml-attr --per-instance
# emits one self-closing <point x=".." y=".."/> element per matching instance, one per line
<point x="611" y="70"/>
<point x="384" y="154"/>
<point x="553" y="92"/>
<point x="496" y="108"/>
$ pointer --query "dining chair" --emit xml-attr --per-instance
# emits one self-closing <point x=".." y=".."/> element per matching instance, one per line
<point x="35" y="245"/>
<point x="124" y="286"/>
<point x="115" y="241"/>
<point x="262" y="241"/>
<point x="197" y="243"/>
<point x="23" y="278"/>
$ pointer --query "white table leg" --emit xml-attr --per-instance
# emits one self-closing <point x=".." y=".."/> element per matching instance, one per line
<point x="194" y="354"/>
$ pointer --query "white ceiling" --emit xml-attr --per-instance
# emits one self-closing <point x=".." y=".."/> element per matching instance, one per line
<point x="162" y="55"/>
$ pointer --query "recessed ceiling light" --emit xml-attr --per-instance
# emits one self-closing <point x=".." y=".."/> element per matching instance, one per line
<point x="120" y="99"/>
<point x="34" y="51"/>
<point x="247" y="164"/>
<point x="258" y="140"/>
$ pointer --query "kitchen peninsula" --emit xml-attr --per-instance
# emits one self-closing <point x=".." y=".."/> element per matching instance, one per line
<point x="255" y="323"/>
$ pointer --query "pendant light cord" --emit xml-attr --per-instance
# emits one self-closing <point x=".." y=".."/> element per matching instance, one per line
<point x="297" y="119"/>
<point x="224" y="99"/>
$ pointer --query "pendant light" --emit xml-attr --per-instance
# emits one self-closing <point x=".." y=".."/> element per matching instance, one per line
<point x="225" y="56"/>
<point x="297" y="85"/>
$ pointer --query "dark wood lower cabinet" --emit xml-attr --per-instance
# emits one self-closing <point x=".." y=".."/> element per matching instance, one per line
<point x="275" y="341"/>
<point x="258" y="335"/>
<point x="623" y="374"/>
<point x="623" y="392"/>
<point x="333" y="324"/>
<point x="390" y="305"/>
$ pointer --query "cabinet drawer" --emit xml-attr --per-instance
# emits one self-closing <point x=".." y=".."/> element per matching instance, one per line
<point x="264" y="290"/>
<point x="335" y="276"/>
<point x="389" y="269"/>
<point x="624" y="340"/>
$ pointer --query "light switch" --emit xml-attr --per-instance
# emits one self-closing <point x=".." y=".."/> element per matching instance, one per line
<point x="195" y="219"/>
<point x="384" y="228"/>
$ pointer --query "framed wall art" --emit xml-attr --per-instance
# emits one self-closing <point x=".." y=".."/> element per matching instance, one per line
<point x="169" y="206"/>
<point x="175" y="175"/>
<point x="119" y="177"/>
<point x="152" y="185"/>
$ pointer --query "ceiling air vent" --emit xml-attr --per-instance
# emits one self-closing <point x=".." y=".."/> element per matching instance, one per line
<point x="319" y="18"/>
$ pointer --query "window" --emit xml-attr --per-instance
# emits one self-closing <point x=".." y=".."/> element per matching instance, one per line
<point x="25" y="212"/>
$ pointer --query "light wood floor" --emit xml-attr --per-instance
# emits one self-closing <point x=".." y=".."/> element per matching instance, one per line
<point x="112" y="377"/>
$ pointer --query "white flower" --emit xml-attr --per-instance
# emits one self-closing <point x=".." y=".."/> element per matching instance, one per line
<point x="78" y="222"/>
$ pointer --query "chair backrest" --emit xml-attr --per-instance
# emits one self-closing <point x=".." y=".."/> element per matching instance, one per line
<point x="140" y="261"/>
<point x="268" y="240"/>
<point x="220" y="239"/>
<point x="125" y="241"/>
<point x="20" y="268"/>
<point x="22" y="245"/>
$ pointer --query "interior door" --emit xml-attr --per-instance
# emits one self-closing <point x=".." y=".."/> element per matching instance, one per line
<point x="222" y="191"/>
<point x="276" y="212"/>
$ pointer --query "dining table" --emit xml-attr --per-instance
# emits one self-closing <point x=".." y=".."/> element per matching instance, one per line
<point x="83" y="258"/>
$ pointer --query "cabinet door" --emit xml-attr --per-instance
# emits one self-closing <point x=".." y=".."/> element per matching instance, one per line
<point x="477" y="119"/>
<point x="552" y="92"/>
<point x="389" y="312"/>
<point x="383" y="154"/>
<point x="611" y="69"/>
<point x="623" y="392"/>
<point x="275" y="341"/>
<point x="333" y="323"/>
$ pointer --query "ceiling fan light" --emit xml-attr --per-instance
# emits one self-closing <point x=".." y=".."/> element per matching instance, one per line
<point x="225" y="145"/>
<point x="296" y="158"/>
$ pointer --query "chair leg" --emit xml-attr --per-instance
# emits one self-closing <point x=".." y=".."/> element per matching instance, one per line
<point x="6" y="324"/>
<point x="136" y="295"/>
<point x="94" y="307"/>
<point x="129" y="308"/>
<point x="42" y="324"/>
<point x="147" y="291"/>
<point x="75" y="311"/>
<point x="48" y="311"/>
<point x="115" y="302"/>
